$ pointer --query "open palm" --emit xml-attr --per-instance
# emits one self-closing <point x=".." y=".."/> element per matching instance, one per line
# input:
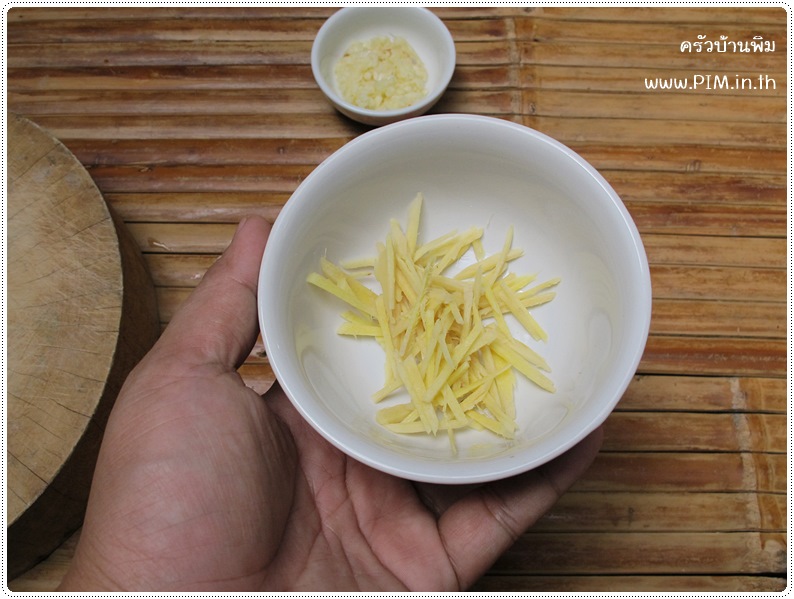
<point x="203" y="485"/>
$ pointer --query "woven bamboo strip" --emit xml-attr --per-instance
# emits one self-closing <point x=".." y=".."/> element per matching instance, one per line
<point x="750" y="108"/>
<point x="642" y="161"/>
<point x="614" y="472"/>
<point x="705" y="394"/>
<point x="235" y="102"/>
<point x="260" y="28"/>
<point x="682" y="14"/>
<point x="699" y="187"/>
<point x="678" y="282"/>
<point x="326" y="123"/>
<point x="714" y="356"/>
<point x="164" y="77"/>
<point x="206" y="152"/>
<point x="666" y="512"/>
<point x="64" y="15"/>
<point x="201" y="179"/>
<point x="615" y="553"/>
<point x="669" y="217"/>
<point x="701" y="251"/>
<point x="665" y="583"/>
<point x="719" y="318"/>
<point x="723" y="355"/>
<point x="684" y="318"/>
<point x="712" y="190"/>
<point x="639" y="32"/>
<point x="221" y="207"/>
<point x="46" y="577"/>
<point x="573" y="130"/>
<point x="186" y="126"/>
<point x="216" y="76"/>
<point x="750" y="15"/>
<point x="587" y="104"/>
<point x="194" y="52"/>
<point x="646" y="431"/>
<point x="715" y="251"/>
<point x="682" y="218"/>
<point x="659" y="394"/>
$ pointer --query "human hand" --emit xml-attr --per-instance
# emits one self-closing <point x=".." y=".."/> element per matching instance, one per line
<point x="203" y="485"/>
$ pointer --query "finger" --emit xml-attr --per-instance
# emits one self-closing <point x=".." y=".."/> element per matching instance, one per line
<point x="482" y="525"/>
<point x="218" y="321"/>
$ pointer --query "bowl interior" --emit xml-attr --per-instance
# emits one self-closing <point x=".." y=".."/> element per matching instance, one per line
<point x="472" y="171"/>
<point x="418" y="26"/>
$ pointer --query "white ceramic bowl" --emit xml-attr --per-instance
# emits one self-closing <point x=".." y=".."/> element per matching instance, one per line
<point x="473" y="171"/>
<point x="423" y="30"/>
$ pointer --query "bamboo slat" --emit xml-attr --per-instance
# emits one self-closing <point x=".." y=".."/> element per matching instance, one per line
<point x="755" y="15"/>
<point x="688" y="191"/>
<point x="664" y="14"/>
<point x="164" y="77"/>
<point x="716" y="282"/>
<point x="689" y="320"/>
<point x="702" y="251"/>
<point x="615" y="553"/>
<point x="64" y="14"/>
<point x="205" y="207"/>
<point x="666" y="512"/>
<point x="663" y="394"/>
<point x="664" y="217"/>
<point x="645" y="431"/>
<point x="189" y="126"/>
<point x="189" y="118"/>
<point x="639" y="32"/>
<point x="669" y="282"/>
<point x="201" y="51"/>
<point x="758" y="252"/>
<point x="685" y="218"/>
<point x="698" y="187"/>
<point x="714" y="356"/>
<point x="686" y="472"/>
<point x="719" y="318"/>
<point x="574" y="130"/>
<point x="632" y="584"/>
<point x="748" y="170"/>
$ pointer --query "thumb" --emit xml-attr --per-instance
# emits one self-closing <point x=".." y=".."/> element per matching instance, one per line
<point x="218" y="322"/>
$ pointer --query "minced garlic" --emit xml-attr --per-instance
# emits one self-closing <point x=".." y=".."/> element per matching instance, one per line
<point x="383" y="73"/>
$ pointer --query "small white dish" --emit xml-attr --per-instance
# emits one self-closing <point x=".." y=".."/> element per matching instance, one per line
<point x="473" y="171"/>
<point x="422" y="29"/>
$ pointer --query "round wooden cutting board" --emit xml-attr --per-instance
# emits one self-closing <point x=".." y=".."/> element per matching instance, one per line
<point x="81" y="311"/>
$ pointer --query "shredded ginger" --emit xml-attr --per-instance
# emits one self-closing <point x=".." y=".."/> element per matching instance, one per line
<point x="445" y="336"/>
<point x="382" y="73"/>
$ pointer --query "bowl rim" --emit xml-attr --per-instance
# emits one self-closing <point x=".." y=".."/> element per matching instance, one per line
<point x="413" y="469"/>
<point x="428" y="100"/>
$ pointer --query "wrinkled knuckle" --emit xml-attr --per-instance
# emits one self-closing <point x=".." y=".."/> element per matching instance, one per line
<point x="500" y="511"/>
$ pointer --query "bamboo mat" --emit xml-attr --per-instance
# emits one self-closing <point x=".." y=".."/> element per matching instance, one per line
<point x="189" y="118"/>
